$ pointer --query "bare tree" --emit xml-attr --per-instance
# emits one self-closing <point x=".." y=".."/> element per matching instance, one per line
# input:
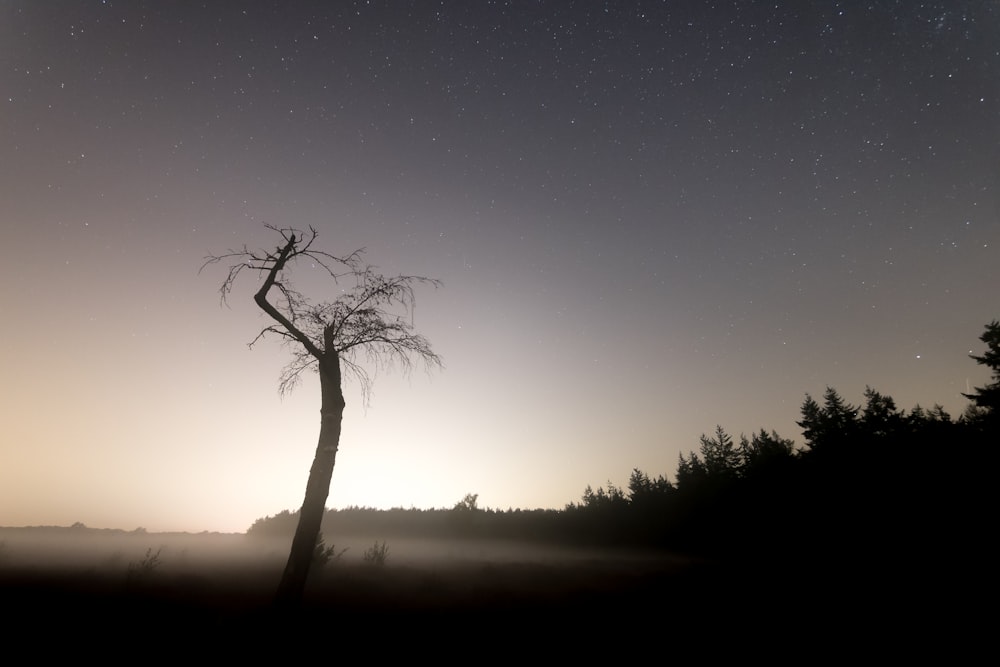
<point x="369" y="325"/>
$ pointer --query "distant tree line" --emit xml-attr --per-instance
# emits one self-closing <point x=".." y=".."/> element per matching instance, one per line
<point x="870" y="479"/>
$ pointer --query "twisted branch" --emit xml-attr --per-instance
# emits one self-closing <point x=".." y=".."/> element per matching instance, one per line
<point x="373" y="320"/>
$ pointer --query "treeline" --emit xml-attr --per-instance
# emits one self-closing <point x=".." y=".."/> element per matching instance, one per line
<point x="458" y="523"/>
<point x="869" y="479"/>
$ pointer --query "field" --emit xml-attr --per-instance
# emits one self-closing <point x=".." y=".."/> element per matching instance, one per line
<point x="221" y="585"/>
<point x="215" y="591"/>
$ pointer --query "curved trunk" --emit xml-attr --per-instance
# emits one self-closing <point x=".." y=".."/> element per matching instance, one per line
<point x="293" y="580"/>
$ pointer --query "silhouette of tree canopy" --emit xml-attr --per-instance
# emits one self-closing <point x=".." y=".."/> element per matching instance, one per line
<point x="368" y="325"/>
<point x="642" y="488"/>
<point x="720" y="455"/>
<point x="764" y="449"/>
<point x="601" y="498"/>
<point x="828" y="424"/>
<point x="987" y="398"/>
<point x="872" y="480"/>
<point x="470" y="503"/>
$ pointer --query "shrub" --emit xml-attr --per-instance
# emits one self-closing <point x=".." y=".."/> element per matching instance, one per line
<point x="323" y="555"/>
<point x="143" y="570"/>
<point x="376" y="554"/>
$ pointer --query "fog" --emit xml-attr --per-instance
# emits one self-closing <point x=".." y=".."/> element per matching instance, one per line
<point x="89" y="551"/>
<point x="211" y="585"/>
<point x="217" y="589"/>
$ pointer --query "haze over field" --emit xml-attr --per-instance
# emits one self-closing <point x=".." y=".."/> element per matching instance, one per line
<point x="75" y="551"/>
<point x="649" y="219"/>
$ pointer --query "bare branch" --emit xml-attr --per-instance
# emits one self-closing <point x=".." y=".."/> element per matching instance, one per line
<point x="291" y="374"/>
<point x="366" y="328"/>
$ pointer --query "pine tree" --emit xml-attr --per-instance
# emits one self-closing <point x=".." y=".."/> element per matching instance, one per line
<point x="987" y="399"/>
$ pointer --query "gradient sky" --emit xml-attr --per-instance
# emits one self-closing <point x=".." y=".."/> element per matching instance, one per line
<point x="649" y="218"/>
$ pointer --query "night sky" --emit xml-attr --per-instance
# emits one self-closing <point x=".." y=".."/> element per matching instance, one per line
<point x="649" y="218"/>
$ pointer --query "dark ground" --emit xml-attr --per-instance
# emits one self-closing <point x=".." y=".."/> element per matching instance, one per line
<point x="661" y="608"/>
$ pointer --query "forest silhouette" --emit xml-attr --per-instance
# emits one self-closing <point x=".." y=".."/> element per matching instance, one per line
<point x="869" y="476"/>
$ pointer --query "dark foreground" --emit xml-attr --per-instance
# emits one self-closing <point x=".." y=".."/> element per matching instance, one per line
<point x="660" y="607"/>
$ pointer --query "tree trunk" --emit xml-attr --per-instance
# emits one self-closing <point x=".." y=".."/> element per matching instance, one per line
<point x="293" y="580"/>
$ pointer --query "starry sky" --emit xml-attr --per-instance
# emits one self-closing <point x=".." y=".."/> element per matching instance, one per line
<point x="649" y="218"/>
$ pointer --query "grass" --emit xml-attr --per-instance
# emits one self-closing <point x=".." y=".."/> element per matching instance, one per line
<point x="143" y="569"/>
<point x="324" y="555"/>
<point x="376" y="554"/>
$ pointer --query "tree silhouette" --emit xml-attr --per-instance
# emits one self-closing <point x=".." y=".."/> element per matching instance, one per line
<point x="987" y="399"/>
<point x="835" y="422"/>
<point x="642" y="488"/>
<point x="720" y="455"/>
<point x="370" y="322"/>
<point x="470" y="503"/>
<point x="764" y="449"/>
